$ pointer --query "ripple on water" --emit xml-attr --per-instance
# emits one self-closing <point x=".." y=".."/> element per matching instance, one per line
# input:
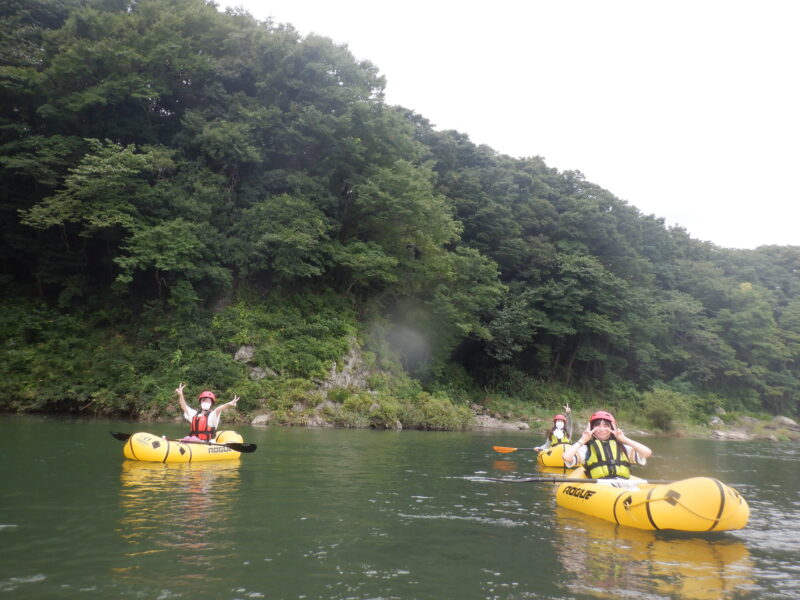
<point x="768" y="528"/>
<point x="476" y="519"/>
<point x="250" y="594"/>
<point x="13" y="583"/>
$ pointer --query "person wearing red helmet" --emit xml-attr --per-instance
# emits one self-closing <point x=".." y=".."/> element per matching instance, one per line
<point x="205" y="420"/>
<point x="604" y="450"/>
<point x="560" y="432"/>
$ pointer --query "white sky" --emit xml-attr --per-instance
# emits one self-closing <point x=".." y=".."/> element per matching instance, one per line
<point x="686" y="109"/>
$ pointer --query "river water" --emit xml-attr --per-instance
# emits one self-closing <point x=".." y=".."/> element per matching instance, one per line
<point x="353" y="514"/>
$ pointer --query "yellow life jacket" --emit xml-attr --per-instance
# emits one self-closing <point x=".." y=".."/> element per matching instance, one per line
<point x="606" y="459"/>
<point x="554" y="441"/>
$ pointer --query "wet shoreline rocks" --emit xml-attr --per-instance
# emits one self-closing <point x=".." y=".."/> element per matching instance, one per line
<point x="747" y="428"/>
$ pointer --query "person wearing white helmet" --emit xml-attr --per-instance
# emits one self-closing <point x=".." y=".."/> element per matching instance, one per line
<point x="204" y="420"/>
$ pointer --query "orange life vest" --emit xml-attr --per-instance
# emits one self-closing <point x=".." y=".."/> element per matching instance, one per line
<point x="200" y="427"/>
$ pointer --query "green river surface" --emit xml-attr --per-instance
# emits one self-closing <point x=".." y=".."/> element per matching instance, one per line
<point x="340" y="514"/>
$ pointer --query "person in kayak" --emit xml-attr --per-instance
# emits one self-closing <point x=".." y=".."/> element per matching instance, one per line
<point x="204" y="421"/>
<point x="560" y="432"/>
<point x="604" y="450"/>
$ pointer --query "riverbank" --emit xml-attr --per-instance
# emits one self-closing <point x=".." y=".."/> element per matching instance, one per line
<point x="737" y="428"/>
<point x="777" y="429"/>
<point x="331" y="379"/>
<point x="732" y="427"/>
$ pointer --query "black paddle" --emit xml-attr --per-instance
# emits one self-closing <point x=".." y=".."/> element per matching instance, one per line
<point x="244" y="448"/>
<point x="564" y="480"/>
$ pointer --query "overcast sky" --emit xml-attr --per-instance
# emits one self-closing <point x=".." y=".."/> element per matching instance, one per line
<point x="686" y="109"/>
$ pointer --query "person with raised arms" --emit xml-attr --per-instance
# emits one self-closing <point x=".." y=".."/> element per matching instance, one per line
<point x="205" y="420"/>
<point x="604" y="450"/>
<point x="560" y="432"/>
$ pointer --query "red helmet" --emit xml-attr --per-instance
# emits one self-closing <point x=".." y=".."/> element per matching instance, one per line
<point x="207" y="394"/>
<point x="601" y="414"/>
<point x="561" y="417"/>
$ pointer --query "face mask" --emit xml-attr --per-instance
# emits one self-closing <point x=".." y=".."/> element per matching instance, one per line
<point x="205" y="405"/>
<point x="559" y="424"/>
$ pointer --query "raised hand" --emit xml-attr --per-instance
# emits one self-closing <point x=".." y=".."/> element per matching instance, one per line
<point x="587" y="435"/>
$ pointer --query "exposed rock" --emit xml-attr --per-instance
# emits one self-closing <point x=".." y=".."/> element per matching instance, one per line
<point x="731" y="435"/>
<point x="316" y="420"/>
<point x="262" y="420"/>
<point x="637" y="432"/>
<point x="487" y="422"/>
<point x="387" y="425"/>
<point x="716" y="422"/>
<point x="326" y="405"/>
<point x="720" y="411"/>
<point x="785" y="425"/>
<point x="257" y="373"/>
<point x="353" y="374"/>
<point x="244" y="353"/>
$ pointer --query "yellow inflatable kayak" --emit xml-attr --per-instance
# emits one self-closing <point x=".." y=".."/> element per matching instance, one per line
<point x="154" y="448"/>
<point x="695" y="504"/>
<point x="552" y="457"/>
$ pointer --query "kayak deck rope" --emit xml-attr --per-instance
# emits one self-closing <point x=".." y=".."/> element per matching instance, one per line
<point x="671" y="500"/>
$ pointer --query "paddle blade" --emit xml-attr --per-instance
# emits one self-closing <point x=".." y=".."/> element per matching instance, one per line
<point x="503" y="449"/>
<point x="244" y="448"/>
<point x="122" y="437"/>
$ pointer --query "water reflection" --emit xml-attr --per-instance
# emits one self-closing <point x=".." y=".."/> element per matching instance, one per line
<point x="507" y="466"/>
<point x="607" y="560"/>
<point x="510" y="466"/>
<point x="560" y="471"/>
<point x="177" y="512"/>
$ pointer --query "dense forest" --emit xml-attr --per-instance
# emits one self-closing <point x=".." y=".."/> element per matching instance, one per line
<point x="178" y="183"/>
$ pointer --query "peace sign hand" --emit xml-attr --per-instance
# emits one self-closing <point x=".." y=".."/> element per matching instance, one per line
<point x="587" y="435"/>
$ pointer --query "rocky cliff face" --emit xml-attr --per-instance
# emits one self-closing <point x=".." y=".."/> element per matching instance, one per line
<point x="353" y="373"/>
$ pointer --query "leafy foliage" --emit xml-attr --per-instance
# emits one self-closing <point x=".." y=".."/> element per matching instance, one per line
<point x="177" y="182"/>
<point x="664" y="408"/>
